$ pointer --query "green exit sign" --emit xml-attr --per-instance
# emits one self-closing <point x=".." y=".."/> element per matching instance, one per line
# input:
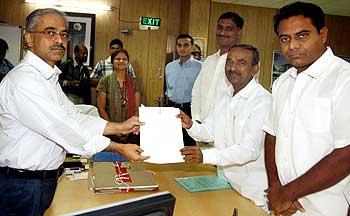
<point x="150" y="21"/>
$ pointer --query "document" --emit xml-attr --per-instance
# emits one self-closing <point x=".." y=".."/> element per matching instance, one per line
<point x="203" y="183"/>
<point x="161" y="134"/>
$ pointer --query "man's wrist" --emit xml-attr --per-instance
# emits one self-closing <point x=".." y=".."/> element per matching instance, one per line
<point x="115" y="128"/>
<point x="274" y="181"/>
<point x="191" y="124"/>
<point x="114" y="147"/>
<point x="290" y="192"/>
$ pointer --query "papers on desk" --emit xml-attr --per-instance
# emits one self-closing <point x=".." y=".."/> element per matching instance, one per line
<point x="203" y="183"/>
<point x="161" y="135"/>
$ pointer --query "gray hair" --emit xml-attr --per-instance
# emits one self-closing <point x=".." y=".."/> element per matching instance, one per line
<point x="34" y="16"/>
<point x="251" y="48"/>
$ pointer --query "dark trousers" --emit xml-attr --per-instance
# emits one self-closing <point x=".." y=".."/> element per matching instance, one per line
<point x="186" y="108"/>
<point x="25" y="197"/>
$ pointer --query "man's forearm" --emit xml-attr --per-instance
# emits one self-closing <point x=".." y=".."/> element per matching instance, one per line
<point x="270" y="163"/>
<point x="326" y="173"/>
<point x="114" y="147"/>
<point x="112" y="128"/>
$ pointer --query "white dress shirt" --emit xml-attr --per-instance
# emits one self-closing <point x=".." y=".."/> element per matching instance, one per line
<point x="347" y="193"/>
<point x="310" y="118"/>
<point x="235" y="126"/>
<point x="210" y="85"/>
<point x="38" y="122"/>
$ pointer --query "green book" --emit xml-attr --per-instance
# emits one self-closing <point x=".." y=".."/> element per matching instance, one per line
<point x="203" y="183"/>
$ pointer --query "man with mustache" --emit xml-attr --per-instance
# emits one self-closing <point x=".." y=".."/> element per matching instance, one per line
<point x="307" y="150"/>
<point x="211" y="82"/>
<point x="75" y="77"/>
<point x="235" y="127"/>
<point x="39" y="124"/>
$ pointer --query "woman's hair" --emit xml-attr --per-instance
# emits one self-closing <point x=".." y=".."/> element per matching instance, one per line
<point x="115" y="53"/>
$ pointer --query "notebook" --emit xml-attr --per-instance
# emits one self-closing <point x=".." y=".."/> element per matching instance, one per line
<point x="203" y="183"/>
<point x="109" y="177"/>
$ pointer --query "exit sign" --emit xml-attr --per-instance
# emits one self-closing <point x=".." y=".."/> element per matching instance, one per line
<point x="149" y="23"/>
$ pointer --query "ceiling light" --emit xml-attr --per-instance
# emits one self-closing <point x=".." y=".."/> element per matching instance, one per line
<point x="73" y="4"/>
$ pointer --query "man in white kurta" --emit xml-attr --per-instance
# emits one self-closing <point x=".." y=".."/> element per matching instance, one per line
<point x="308" y="131"/>
<point x="211" y="82"/>
<point x="235" y="127"/>
<point x="308" y="121"/>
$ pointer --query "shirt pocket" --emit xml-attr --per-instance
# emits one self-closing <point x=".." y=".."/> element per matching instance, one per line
<point x="317" y="115"/>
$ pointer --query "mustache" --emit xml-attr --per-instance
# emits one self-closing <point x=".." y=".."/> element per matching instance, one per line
<point x="233" y="72"/>
<point x="58" y="47"/>
<point x="223" y="36"/>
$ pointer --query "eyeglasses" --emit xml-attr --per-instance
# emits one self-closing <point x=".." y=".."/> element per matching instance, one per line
<point x="53" y="34"/>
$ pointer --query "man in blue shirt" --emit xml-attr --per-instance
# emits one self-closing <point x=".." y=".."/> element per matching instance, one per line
<point x="180" y="75"/>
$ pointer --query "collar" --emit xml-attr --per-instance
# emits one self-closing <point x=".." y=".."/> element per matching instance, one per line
<point x="109" y="59"/>
<point x="45" y="69"/>
<point x="75" y="63"/>
<point x="316" y="69"/>
<point x="218" y="53"/>
<point x="4" y="62"/>
<point x="186" y="62"/>
<point x="245" y="92"/>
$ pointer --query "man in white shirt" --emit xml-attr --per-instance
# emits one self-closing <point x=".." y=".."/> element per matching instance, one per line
<point x="39" y="124"/>
<point x="235" y="127"/>
<point x="307" y="152"/>
<point x="211" y="82"/>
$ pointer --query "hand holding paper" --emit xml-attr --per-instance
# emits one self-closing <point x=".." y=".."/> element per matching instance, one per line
<point x="192" y="154"/>
<point x="131" y="152"/>
<point x="186" y="121"/>
<point x="130" y="125"/>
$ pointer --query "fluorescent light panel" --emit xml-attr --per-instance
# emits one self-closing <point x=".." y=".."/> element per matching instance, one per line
<point x="74" y="4"/>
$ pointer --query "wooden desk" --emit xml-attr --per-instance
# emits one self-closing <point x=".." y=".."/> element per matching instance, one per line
<point x="74" y="195"/>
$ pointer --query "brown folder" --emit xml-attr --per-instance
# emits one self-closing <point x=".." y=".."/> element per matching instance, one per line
<point x="109" y="177"/>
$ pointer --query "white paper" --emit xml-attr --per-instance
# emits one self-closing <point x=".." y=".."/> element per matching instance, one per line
<point x="78" y="176"/>
<point x="161" y="135"/>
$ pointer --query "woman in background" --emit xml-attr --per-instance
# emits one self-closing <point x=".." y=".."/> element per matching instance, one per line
<point x="118" y="94"/>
